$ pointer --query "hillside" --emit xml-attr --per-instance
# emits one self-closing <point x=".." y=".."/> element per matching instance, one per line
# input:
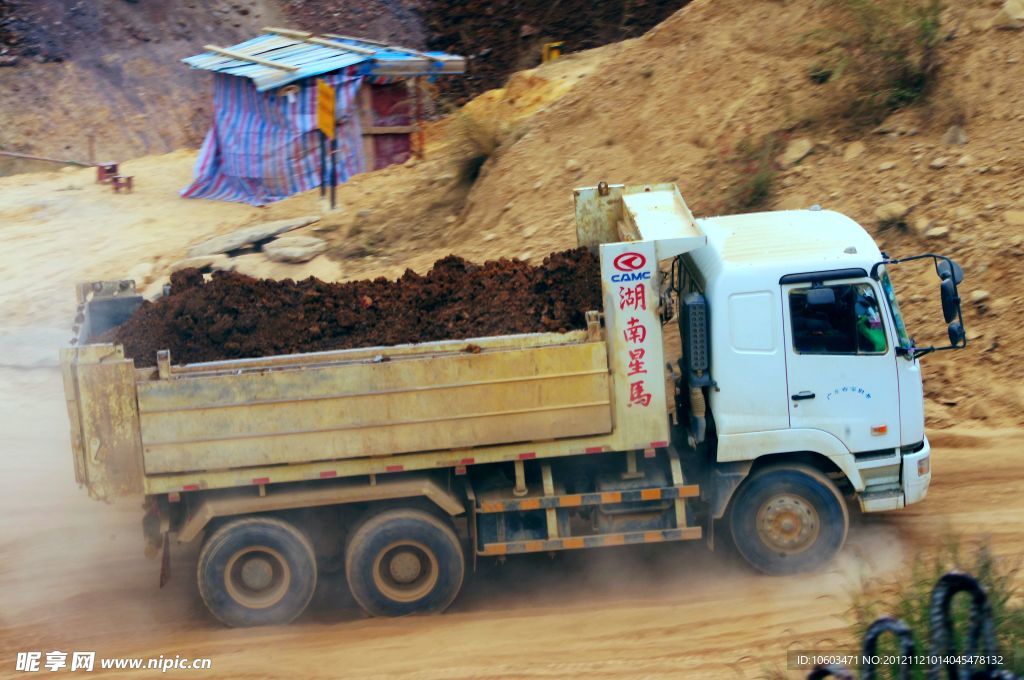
<point x="674" y="105"/>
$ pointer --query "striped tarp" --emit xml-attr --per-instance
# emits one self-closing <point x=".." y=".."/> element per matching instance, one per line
<point x="264" y="146"/>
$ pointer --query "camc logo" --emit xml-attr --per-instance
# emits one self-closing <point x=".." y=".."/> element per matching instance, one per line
<point x="630" y="263"/>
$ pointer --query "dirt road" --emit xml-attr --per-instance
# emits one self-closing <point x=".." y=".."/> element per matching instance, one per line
<point x="73" y="577"/>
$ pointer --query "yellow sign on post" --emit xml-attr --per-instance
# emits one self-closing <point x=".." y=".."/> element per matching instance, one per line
<point x="325" y="108"/>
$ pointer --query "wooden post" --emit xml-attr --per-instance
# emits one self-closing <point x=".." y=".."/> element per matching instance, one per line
<point x="334" y="167"/>
<point x="323" y="164"/>
<point x="366" y="121"/>
<point x="418" y="120"/>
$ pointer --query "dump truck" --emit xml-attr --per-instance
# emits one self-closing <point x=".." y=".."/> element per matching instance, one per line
<point x="750" y="375"/>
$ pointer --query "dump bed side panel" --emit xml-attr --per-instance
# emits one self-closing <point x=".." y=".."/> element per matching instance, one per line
<point x="99" y="385"/>
<point x="357" y="410"/>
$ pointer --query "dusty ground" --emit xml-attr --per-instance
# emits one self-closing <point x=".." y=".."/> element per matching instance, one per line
<point x="74" y="578"/>
<point x="72" y="571"/>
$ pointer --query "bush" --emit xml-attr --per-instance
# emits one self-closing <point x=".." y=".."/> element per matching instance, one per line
<point x="754" y="160"/>
<point x="885" y="53"/>
<point x="909" y="599"/>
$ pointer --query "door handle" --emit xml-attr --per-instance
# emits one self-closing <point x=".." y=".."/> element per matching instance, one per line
<point x="800" y="396"/>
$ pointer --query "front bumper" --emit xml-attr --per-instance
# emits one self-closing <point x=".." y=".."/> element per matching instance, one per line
<point x="915" y="476"/>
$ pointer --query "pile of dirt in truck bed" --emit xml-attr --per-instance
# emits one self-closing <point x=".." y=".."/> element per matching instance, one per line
<point x="234" y="316"/>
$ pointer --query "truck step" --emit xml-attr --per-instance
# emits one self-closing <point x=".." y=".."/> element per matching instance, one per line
<point x="579" y="499"/>
<point x="602" y="541"/>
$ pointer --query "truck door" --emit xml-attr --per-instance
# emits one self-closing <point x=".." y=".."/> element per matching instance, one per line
<point x="840" y="363"/>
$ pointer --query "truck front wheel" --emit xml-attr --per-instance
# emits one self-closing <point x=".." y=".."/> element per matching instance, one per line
<point x="404" y="561"/>
<point x="788" y="520"/>
<point x="256" y="571"/>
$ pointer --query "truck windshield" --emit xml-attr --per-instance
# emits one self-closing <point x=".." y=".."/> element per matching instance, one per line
<point x="894" y="307"/>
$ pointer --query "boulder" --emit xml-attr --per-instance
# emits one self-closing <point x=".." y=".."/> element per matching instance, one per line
<point x="853" y="150"/>
<point x="893" y="212"/>
<point x="1011" y="15"/>
<point x="795" y="152"/>
<point x="1014" y="218"/>
<point x="294" y="249"/>
<point x="249" y="235"/>
<point x="204" y="263"/>
<point x="955" y="136"/>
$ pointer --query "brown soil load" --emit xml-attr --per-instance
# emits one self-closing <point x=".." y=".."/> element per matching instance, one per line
<point x="234" y="316"/>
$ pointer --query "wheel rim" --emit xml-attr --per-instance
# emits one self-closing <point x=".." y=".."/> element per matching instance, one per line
<point x="257" y="577"/>
<point x="405" y="571"/>
<point x="788" y="524"/>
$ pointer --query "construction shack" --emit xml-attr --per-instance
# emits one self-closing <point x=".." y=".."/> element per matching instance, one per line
<point x="267" y="141"/>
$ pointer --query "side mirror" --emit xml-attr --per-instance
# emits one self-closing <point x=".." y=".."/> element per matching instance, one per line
<point x="821" y="296"/>
<point x="947" y="269"/>
<point x="950" y="300"/>
<point x="957" y="337"/>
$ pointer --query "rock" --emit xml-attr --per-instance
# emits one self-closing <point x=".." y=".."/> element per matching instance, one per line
<point x="977" y="411"/>
<point x="891" y="213"/>
<point x="965" y="160"/>
<point x="937" y="232"/>
<point x="795" y="152"/>
<point x="363" y="214"/>
<point x="249" y="235"/>
<point x="1011" y="15"/>
<point x="853" y="150"/>
<point x="939" y="163"/>
<point x="922" y="225"/>
<point x="886" y="165"/>
<point x="205" y="263"/>
<point x="1014" y="217"/>
<point x="294" y="249"/>
<point x="955" y="136"/>
<point x="979" y="296"/>
<point x="573" y="165"/>
<point x="451" y="219"/>
<point x="963" y="214"/>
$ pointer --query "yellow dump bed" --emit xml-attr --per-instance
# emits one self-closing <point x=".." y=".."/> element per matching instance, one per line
<point x="327" y="414"/>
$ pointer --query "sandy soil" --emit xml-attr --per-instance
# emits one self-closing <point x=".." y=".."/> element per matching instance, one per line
<point x="72" y="573"/>
<point x="73" y="577"/>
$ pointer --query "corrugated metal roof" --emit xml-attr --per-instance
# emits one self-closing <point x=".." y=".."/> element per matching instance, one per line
<point x="283" y="56"/>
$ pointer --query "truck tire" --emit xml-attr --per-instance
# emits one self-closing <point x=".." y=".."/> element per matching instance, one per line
<point x="256" y="571"/>
<point x="404" y="561"/>
<point x="786" y="520"/>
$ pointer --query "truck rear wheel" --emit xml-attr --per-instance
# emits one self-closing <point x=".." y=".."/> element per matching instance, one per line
<point x="788" y="520"/>
<point x="404" y="561"/>
<point x="256" y="571"/>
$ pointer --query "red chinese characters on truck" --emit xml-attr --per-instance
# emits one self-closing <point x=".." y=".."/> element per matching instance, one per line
<point x="634" y="298"/>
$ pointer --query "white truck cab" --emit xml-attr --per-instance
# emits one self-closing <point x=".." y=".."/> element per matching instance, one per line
<point x="798" y="382"/>
<point x="793" y="374"/>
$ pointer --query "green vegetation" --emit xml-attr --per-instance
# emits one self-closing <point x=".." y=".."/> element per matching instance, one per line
<point x="754" y="160"/>
<point x="882" y="53"/>
<point x="909" y="599"/>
